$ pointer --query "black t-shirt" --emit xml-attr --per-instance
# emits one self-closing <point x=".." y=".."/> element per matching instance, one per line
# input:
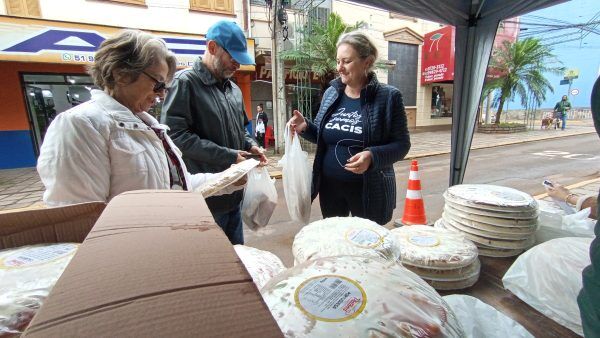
<point x="343" y="137"/>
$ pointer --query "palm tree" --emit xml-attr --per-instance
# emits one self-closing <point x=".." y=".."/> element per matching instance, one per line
<point x="522" y="65"/>
<point x="317" y="51"/>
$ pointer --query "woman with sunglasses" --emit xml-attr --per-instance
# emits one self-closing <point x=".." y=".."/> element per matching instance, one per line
<point x="110" y="144"/>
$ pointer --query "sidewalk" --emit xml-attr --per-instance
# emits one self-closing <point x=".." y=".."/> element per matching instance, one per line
<point x="21" y="188"/>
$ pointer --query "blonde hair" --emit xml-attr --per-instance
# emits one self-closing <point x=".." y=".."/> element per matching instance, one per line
<point x="361" y="43"/>
<point x="129" y="53"/>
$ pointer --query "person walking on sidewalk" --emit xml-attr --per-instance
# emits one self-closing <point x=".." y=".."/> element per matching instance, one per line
<point x="110" y="144"/>
<point x="360" y="132"/>
<point x="261" y="125"/>
<point x="206" y="114"/>
<point x="561" y="109"/>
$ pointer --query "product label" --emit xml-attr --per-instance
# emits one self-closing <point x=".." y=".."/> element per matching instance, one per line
<point x="37" y="255"/>
<point x="364" y="238"/>
<point x="330" y="298"/>
<point x="424" y="240"/>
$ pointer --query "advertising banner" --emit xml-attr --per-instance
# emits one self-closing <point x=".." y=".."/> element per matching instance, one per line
<point x="437" y="61"/>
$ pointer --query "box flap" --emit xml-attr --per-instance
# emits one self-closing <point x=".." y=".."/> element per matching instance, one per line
<point x="155" y="264"/>
<point x="51" y="225"/>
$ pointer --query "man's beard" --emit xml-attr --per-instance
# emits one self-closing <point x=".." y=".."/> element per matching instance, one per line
<point x="220" y="69"/>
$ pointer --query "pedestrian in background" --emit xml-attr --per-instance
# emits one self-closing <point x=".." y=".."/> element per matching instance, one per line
<point x="360" y="132"/>
<point x="110" y="144"/>
<point x="561" y="109"/>
<point x="206" y="114"/>
<point x="261" y="125"/>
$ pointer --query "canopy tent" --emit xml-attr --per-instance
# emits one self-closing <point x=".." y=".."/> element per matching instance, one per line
<point x="476" y="22"/>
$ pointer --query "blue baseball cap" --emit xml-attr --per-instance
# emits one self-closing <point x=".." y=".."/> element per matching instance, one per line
<point x="229" y="36"/>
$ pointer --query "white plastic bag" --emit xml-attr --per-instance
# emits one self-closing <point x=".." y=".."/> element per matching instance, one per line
<point x="479" y="319"/>
<point x="297" y="178"/>
<point x="260" y="199"/>
<point x="548" y="278"/>
<point x="579" y="223"/>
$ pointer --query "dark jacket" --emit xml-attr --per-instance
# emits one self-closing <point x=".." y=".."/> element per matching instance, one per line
<point x="386" y="137"/>
<point x="207" y="120"/>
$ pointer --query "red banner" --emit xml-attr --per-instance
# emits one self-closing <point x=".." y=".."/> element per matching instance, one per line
<point x="291" y="77"/>
<point x="437" y="61"/>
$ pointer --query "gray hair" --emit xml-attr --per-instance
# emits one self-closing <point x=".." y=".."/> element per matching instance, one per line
<point x="129" y="53"/>
<point x="361" y="43"/>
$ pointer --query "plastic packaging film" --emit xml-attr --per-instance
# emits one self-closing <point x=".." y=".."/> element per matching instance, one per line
<point x="339" y="236"/>
<point x="27" y="275"/>
<point x="548" y="278"/>
<point x="352" y="296"/>
<point x="227" y="177"/>
<point x="492" y="197"/>
<point x="261" y="265"/>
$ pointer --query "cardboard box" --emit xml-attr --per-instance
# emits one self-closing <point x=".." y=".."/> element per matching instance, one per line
<point x="154" y="264"/>
<point x="53" y="225"/>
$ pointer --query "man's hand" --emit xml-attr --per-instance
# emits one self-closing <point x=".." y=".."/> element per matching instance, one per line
<point x="241" y="156"/>
<point x="360" y="162"/>
<point x="260" y="151"/>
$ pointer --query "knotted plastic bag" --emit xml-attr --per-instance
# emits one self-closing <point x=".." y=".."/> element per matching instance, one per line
<point x="296" y="178"/>
<point x="260" y="199"/>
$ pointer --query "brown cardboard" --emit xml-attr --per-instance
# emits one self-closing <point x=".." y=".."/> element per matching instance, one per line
<point x="155" y="264"/>
<point x="52" y="225"/>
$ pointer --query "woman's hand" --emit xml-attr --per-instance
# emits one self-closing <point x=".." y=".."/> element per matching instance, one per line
<point x="558" y="191"/>
<point x="360" y="162"/>
<point x="260" y="151"/>
<point x="297" y="122"/>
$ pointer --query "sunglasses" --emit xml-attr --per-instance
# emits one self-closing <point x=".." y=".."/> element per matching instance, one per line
<point x="159" y="86"/>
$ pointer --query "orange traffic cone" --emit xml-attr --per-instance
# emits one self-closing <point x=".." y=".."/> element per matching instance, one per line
<point x="414" y="209"/>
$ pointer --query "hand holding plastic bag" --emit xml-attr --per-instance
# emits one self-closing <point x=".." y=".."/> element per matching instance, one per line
<point x="260" y="199"/>
<point x="297" y="178"/>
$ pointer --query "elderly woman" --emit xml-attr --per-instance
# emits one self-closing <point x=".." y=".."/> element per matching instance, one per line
<point x="109" y="144"/>
<point x="360" y="132"/>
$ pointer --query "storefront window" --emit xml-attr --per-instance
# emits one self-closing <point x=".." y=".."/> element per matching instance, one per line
<point x="441" y="101"/>
<point x="48" y="95"/>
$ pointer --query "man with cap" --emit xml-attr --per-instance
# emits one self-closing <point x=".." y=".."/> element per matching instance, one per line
<point x="205" y="112"/>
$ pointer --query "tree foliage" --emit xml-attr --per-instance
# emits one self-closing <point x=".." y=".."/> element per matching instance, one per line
<point x="317" y="50"/>
<point x="522" y="65"/>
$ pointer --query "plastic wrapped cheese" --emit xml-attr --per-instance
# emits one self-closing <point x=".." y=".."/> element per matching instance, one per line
<point x="227" y="177"/>
<point x="491" y="197"/>
<point x="261" y="265"/>
<point x="27" y="275"/>
<point x="339" y="236"/>
<point x="429" y="247"/>
<point x="352" y="296"/>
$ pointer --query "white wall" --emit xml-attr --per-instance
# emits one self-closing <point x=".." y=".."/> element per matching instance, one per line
<point x="2" y="7"/>
<point x="160" y="15"/>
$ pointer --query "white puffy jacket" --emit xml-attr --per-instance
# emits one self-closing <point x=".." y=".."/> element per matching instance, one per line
<point x="100" y="149"/>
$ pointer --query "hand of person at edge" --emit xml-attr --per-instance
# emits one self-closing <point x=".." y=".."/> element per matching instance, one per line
<point x="359" y="163"/>
<point x="260" y="151"/>
<point x="297" y="122"/>
<point x="241" y="156"/>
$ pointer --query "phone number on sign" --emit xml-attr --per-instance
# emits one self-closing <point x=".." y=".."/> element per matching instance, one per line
<point x="77" y="57"/>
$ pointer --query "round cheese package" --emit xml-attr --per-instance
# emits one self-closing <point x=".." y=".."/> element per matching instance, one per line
<point x="340" y="236"/>
<point x="429" y="247"/>
<point x="27" y="274"/>
<point x="491" y="197"/>
<point x="261" y="265"/>
<point x="352" y="296"/>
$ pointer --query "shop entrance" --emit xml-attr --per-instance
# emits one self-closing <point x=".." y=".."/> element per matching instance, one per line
<point x="48" y="95"/>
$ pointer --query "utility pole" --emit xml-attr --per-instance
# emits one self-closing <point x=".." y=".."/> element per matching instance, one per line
<point x="277" y="77"/>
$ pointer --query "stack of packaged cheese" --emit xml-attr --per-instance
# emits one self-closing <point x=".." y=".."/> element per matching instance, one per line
<point x="444" y="259"/>
<point x="344" y="236"/>
<point x="353" y="296"/>
<point x="500" y="220"/>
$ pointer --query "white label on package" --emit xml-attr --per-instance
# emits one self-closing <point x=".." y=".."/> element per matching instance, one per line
<point x="364" y="238"/>
<point x="424" y="240"/>
<point x="37" y="255"/>
<point x="330" y="298"/>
